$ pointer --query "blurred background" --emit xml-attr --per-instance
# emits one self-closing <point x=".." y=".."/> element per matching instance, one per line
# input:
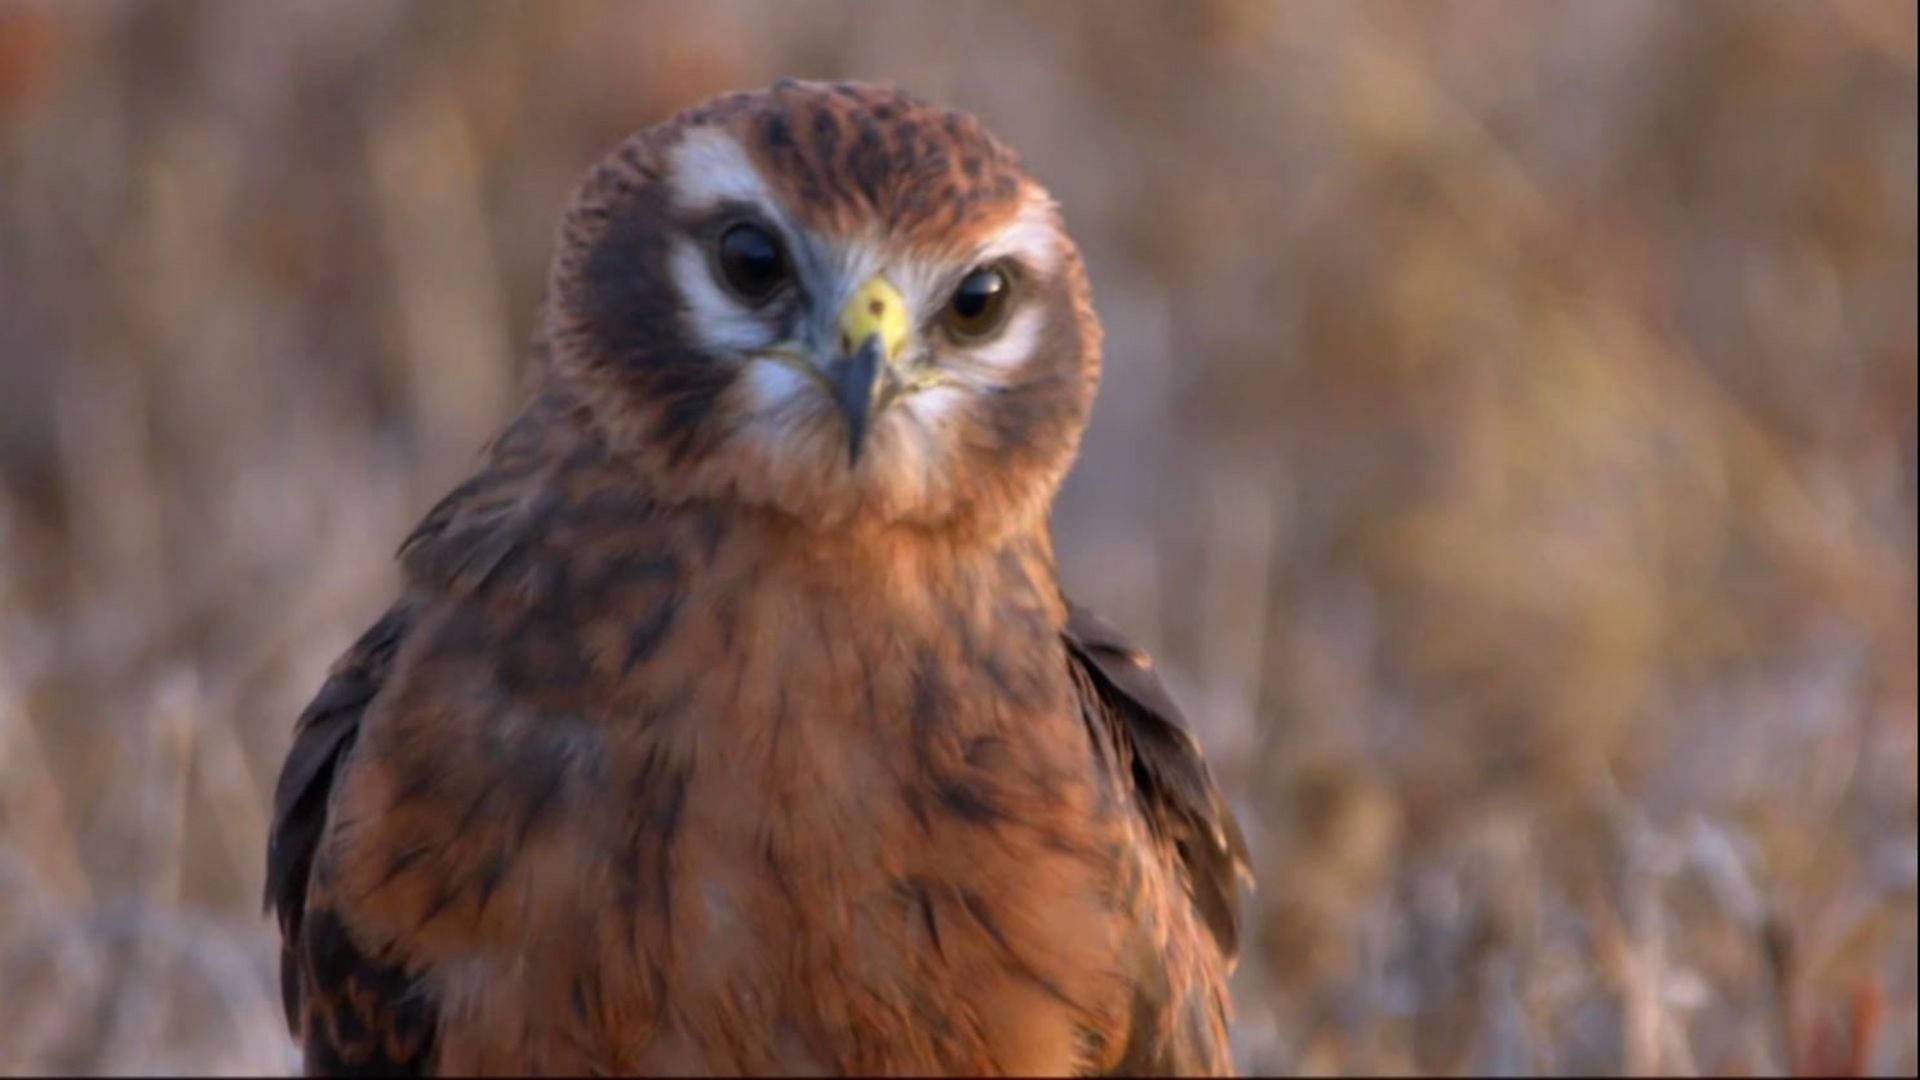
<point x="1508" y="445"/>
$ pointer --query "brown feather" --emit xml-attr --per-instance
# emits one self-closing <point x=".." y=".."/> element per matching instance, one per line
<point x="352" y="1014"/>
<point x="1171" y="779"/>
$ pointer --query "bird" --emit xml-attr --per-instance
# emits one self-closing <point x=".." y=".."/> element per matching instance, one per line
<point x="731" y="716"/>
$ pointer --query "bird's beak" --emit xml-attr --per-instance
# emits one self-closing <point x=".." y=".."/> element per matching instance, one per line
<point x="873" y="331"/>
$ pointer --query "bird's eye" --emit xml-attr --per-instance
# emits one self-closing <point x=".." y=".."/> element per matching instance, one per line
<point x="751" y="261"/>
<point x="978" y="306"/>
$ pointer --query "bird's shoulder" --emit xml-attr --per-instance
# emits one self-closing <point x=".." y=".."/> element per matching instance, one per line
<point x="478" y="567"/>
<point x="1179" y="1010"/>
<point x="1170" y="778"/>
<point x="351" y="1008"/>
<point x="547" y="461"/>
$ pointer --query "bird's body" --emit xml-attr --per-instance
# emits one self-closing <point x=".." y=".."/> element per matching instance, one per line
<point x="697" y="745"/>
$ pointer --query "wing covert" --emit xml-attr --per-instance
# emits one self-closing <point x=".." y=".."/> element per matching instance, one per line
<point x="352" y="1013"/>
<point x="1170" y="778"/>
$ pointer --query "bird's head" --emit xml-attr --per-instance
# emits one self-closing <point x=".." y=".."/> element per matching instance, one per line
<point x="832" y="301"/>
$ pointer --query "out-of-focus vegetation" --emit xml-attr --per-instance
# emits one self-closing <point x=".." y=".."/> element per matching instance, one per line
<point x="1508" y="443"/>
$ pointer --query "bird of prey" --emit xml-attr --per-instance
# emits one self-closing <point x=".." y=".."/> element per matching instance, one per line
<point x="731" y="717"/>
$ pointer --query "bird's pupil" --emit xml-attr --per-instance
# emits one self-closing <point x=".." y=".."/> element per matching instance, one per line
<point x="977" y="294"/>
<point x="751" y="260"/>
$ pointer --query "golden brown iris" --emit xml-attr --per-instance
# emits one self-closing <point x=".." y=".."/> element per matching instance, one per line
<point x="978" y="305"/>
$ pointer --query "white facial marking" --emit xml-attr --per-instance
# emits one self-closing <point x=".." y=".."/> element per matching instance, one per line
<point x="936" y="407"/>
<point x="1031" y="238"/>
<point x="712" y="317"/>
<point x="710" y="167"/>
<point x="774" y="386"/>
<point x="1009" y="349"/>
<point x="923" y="283"/>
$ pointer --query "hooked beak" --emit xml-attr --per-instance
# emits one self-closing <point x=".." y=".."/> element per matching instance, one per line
<point x="873" y="331"/>
<point x="855" y="382"/>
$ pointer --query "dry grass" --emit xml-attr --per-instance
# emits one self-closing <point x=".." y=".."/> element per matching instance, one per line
<point x="1508" y="443"/>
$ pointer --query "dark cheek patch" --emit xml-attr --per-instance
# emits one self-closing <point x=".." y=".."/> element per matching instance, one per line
<point x="632" y="314"/>
<point x="620" y="292"/>
<point x="686" y="389"/>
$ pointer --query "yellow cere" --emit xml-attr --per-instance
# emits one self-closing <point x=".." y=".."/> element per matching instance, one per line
<point x="877" y="308"/>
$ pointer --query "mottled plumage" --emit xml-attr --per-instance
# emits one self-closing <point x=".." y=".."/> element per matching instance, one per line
<point x="732" y="718"/>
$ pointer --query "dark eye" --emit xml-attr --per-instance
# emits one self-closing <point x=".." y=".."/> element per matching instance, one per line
<point x="979" y="305"/>
<point x="751" y="261"/>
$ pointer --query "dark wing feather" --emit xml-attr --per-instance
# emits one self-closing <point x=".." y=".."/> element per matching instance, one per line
<point x="353" y="1013"/>
<point x="1170" y="778"/>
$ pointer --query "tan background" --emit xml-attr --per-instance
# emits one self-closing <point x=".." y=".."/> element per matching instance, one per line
<point x="1508" y="444"/>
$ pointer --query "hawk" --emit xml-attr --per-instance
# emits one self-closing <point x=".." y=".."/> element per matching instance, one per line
<point x="731" y="717"/>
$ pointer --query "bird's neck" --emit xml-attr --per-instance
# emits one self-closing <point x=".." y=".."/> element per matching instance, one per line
<point x="908" y="578"/>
